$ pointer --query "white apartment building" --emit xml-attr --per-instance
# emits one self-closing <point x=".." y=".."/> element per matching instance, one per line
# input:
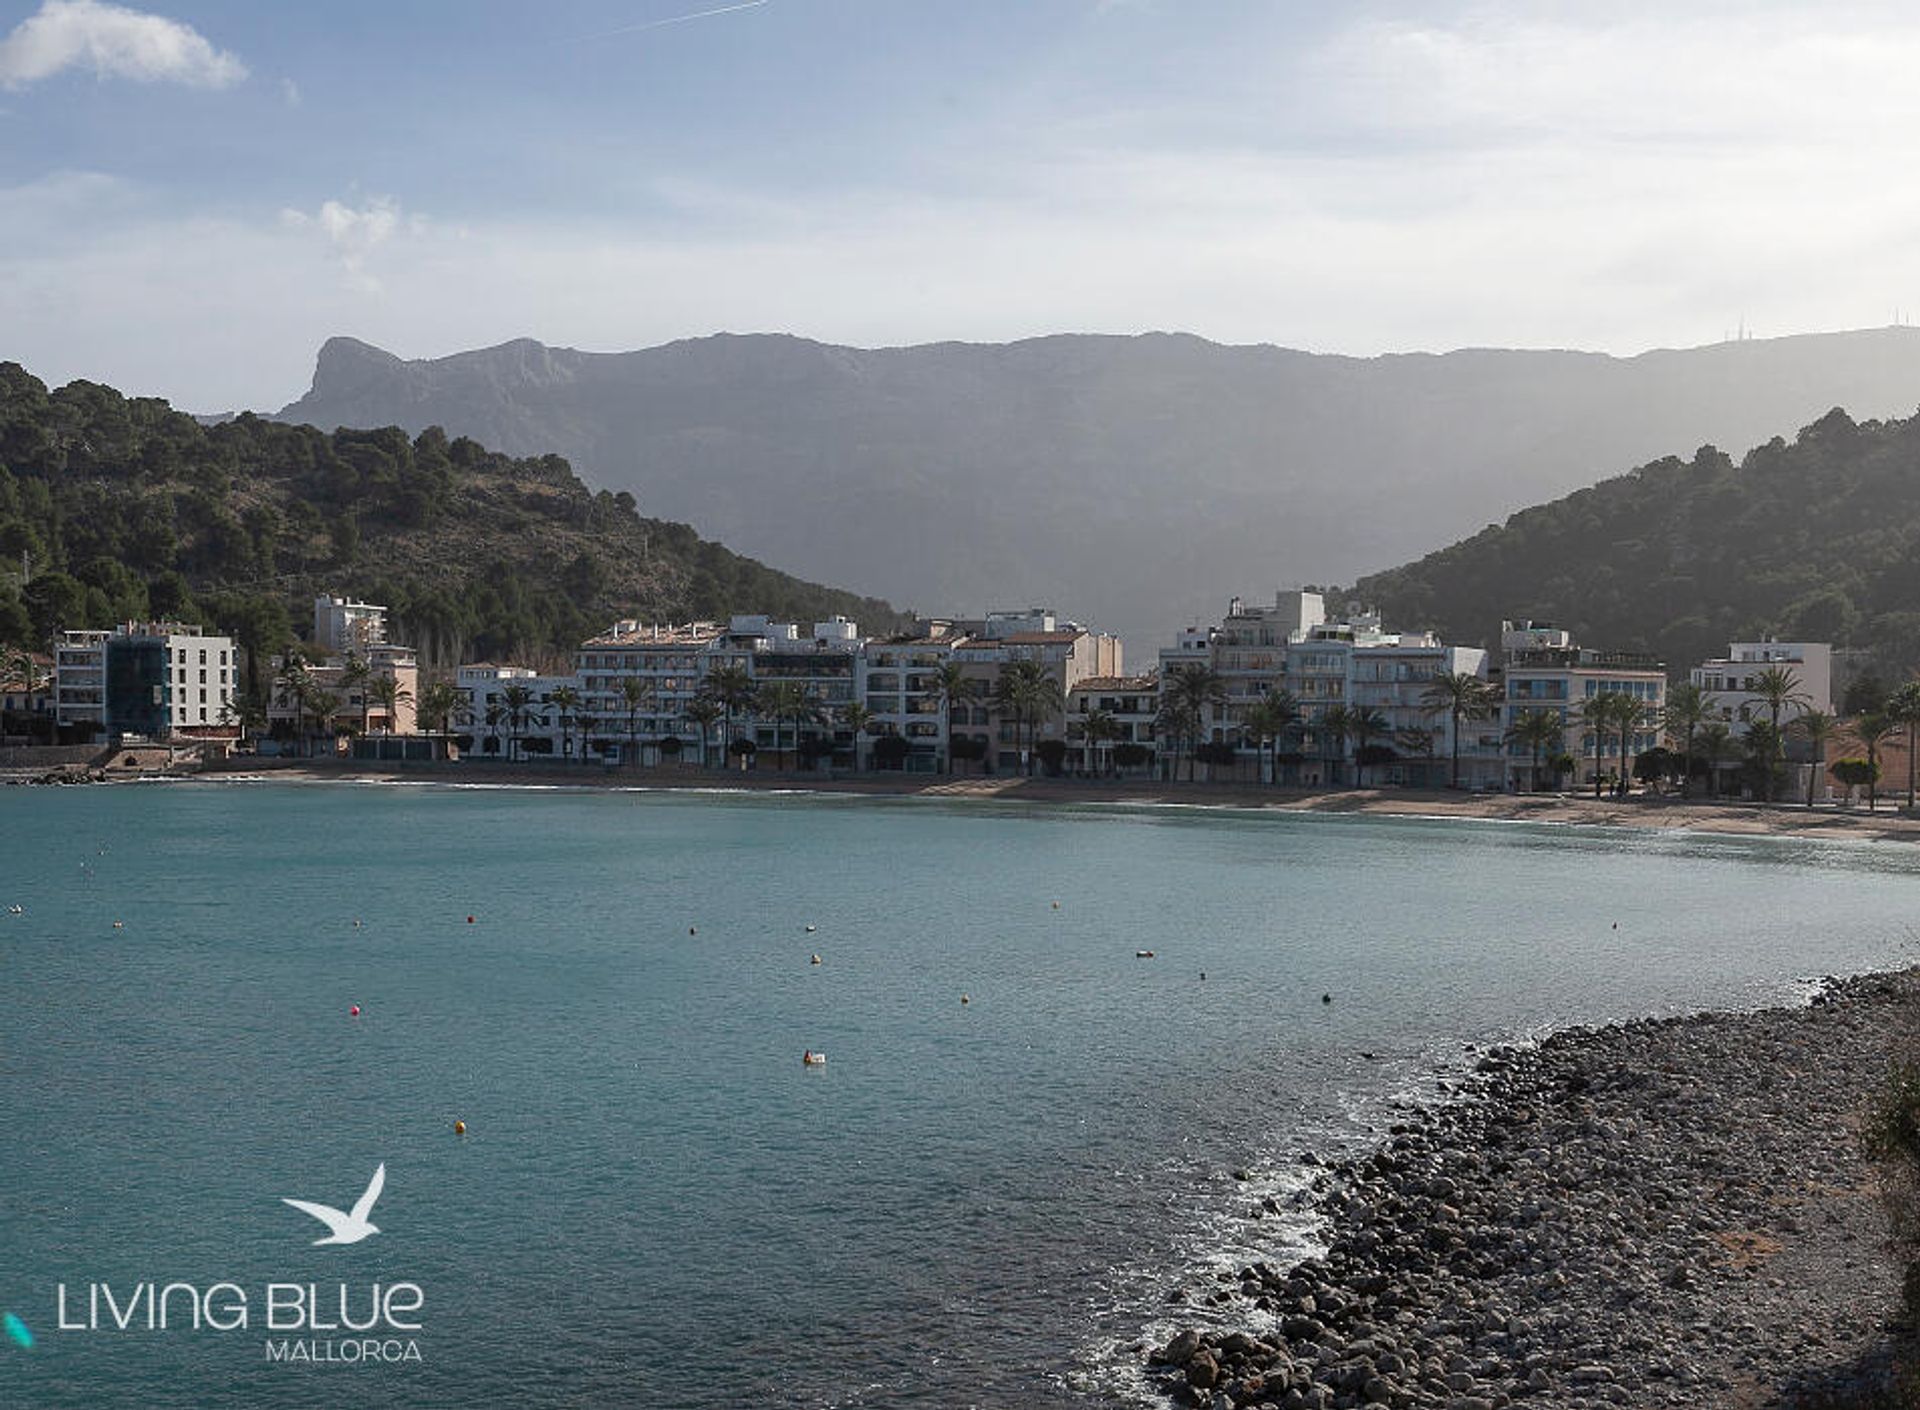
<point x="341" y="625"/>
<point x="1352" y="666"/>
<point x="1133" y="703"/>
<point x="1070" y="653"/>
<point x="1729" y="679"/>
<point x="156" y="680"/>
<point x="899" y="683"/>
<point x="536" y="726"/>
<point x="1545" y="670"/>
<point x="638" y="680"/>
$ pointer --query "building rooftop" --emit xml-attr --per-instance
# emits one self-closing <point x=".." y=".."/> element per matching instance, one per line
<point x="1037" y="639"/>
<point x="656" y="634"/>
<point x="1130" y="683"/>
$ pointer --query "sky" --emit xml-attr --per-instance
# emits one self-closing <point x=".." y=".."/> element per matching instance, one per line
<point x="193" y="197"/>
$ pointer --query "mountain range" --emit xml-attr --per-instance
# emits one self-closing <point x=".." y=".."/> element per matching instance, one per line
<point x="1133" y="482"/>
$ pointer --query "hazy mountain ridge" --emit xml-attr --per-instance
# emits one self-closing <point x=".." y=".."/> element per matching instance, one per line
<point x="1139" y="481"/>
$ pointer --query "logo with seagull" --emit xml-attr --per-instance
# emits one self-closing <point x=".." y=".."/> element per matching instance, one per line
<point x="351" y="1227"/>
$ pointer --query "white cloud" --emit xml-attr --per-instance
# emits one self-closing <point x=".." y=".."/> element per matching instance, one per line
<point x="115" y="42"/>
<point x="290" y="92"/>
<point x="352" y="234"/>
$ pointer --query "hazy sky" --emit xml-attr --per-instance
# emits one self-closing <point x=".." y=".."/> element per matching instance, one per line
<point x="193" y="197"/>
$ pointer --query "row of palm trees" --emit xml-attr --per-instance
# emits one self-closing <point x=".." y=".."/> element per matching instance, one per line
<point x="1191" y="691"/>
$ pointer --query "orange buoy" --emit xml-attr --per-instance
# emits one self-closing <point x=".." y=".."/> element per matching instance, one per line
<point x="459" y="1128"/>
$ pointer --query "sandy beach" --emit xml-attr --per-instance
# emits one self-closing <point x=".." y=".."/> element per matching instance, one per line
<point x="1671" y="813"/>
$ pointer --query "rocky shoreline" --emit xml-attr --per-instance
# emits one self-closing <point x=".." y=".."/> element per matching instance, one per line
<point x="1665" y="1212"/>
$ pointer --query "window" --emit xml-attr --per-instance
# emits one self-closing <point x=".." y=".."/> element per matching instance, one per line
<point x="203" y="656"/>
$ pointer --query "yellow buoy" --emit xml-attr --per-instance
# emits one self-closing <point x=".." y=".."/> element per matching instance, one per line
<point x="459" y="1128"/>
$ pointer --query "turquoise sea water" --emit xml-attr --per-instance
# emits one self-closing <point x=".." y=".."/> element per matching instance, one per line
<point x="655" y="1204"/>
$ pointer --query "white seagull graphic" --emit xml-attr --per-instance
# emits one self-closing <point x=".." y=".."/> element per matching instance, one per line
<point x="346" y="1228"/>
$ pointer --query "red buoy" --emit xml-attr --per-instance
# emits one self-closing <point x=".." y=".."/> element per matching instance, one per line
<point x="469" y="920"/>
<point x="355" y="1010"/>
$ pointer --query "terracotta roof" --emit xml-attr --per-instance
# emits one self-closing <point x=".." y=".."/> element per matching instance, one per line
<point x="1041" y="638"/>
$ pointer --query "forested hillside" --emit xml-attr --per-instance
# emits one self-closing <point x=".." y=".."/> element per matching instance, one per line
<point x="114" y="507"/>
<point x="1818" y="540"/>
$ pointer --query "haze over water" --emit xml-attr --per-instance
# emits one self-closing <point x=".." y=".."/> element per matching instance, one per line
<point x="655" y="1203"/>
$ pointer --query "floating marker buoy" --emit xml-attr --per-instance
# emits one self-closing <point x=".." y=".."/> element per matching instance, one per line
<point x="355" y="1011"/>
<point x="692" y="931"/>
<point x="119" y="925"/>
<point x="811" y="929"/>
<point x="1203" y="974"/>
<point x="1616" y="925"/>
<point x="814" y="960"/>
<point x="459" y="1128"/>
<point x="1056" y="905"/>
<point x="1326" y="998"/>
<point x="469" y="920"/>
<point x="965" y="1000"/>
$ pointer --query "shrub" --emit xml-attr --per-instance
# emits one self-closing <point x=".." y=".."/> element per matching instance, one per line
<point x="1892" y="1139"/>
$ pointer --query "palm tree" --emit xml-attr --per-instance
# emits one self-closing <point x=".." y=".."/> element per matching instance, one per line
<point x="1189" y="692"/>
<point x="1903" y="707"/>
<point x="518" y="700"/>
<point x="1714" y="739"/>
<point x="1363" y="723"/>
<point x="354" y="676"/>
<point x="390" y="695"/>
<point x="1097" y="728"/>
<point x="322" y="704"/>
<point x="495" y="717"/>
<point x="953" y="686"/>
<point x="733" y="686"/>
<point x="566" y="700"/>
<point x="438" y="701"/>
<point x="704" y="711"/>
<point x="633" y="694"/>
<point x="1688" y="706"/>
<point x="586" y="722"/>
<point x="1029" y="693"/>
<point x="1816" y="727"/>
<point x="1274" y="717"/>
<point x="858" y="719"/>
<point x="1461" y="696"/>
<point x="1777" y="687"/>
<point x="1330" y="737"/>
<point x="787" y="700"/>
<point x="1597" y="716"/>
<point x="1418" y="741"/>
<point x="1538" y="730"/>
<point x="291" y="680"/>
<point x="1873" y="731"/>
<point x="1630" y="713"/>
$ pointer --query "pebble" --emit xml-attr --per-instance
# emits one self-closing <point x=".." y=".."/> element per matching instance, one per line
<point x="1643" y="1214"/>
